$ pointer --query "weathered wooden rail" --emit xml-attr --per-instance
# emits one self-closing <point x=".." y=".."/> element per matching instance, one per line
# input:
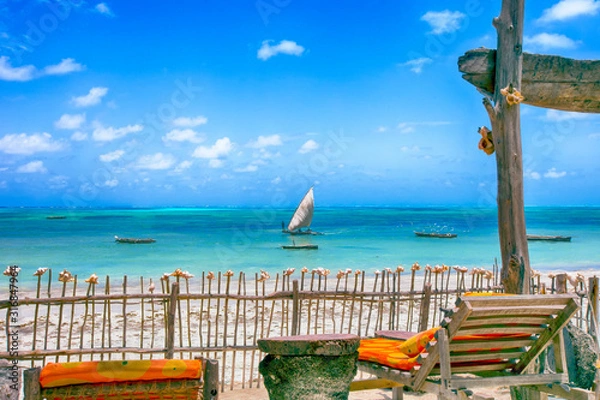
<point x="220" y="317"/>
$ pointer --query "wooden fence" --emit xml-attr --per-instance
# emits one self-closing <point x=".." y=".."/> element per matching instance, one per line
<point x="220" y="316"/>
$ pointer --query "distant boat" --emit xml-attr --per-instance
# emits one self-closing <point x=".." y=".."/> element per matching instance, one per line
<point x="436" y="235"/>
<point x="56" y="217"/>
<point x="302" y="217"/>
<point x="134" y="240"/>
<point x="300" y="247"/>
<point x="549" y="238"/>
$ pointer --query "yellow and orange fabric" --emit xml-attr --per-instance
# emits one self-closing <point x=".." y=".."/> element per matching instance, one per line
<point x="404" y="355"/>
<point x="74" y="373"/>
<point x="395" y="353"/>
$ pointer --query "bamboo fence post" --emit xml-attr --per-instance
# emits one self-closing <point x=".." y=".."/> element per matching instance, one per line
<point x="218" y="309"/>
<point x="49" y="293"/>
<point x="170" y="351"/>
<point x="561" y="283"/>
<point x="309" y="309"/>
<point x="245" y="314"/>
<point x="353" y="299"/>
<point x="424" y="321"/>
<point x="142" y="316"/>
<point x="72" y="317"/>
<point x="108" y="309"/>
<point x="371" y="303"/>
<point x="228" y="276"/>
<point x="295" y="307"/>
<point x="151" y="288"/>
<point x="39" y="274"/>
<point x="188" y="305"/>
<point x="124" y="312"/>
<point x="235" y="331"/>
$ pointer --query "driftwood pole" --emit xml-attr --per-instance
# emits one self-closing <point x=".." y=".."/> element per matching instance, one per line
<point x="504" y="115"/>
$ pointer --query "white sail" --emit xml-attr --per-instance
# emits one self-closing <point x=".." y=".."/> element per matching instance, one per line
<point x="304" y="213"/>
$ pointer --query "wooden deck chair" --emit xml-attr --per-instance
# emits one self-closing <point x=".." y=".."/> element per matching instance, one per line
<point x="156" y="379"/>
<point x="486" y="341"/>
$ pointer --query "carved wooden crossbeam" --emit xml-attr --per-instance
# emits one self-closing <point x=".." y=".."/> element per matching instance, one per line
<point x="548" y="81"/>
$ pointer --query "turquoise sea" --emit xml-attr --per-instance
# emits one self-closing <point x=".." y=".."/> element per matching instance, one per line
<point x="250" y="239"/>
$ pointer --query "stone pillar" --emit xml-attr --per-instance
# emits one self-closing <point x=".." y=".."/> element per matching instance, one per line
<point x="309" y="367"/>
<point x="10" y="380"/>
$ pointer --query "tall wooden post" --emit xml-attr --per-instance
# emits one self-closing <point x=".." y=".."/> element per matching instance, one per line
<point x="506" y="130"/>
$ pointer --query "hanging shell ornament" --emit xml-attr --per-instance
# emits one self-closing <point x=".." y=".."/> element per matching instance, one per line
<point x="228" y="273"/>
<point x="11" y="270"/>
<point x="486" y="143"/>
<point x="399" y="268"/>
<point x="186" y="275"/>
<point x="165" y="276"/>
<point x="512" y="95"/>
<point x="304" y="270"/>
<point x="415" y="267"/>
<point x="289" y="271"/>
<point x="65" y="276"/>
<point x="210" y="275"/>
<point x="340" y="274"/>
<point x="92" y="280"/>
<point x="40" y="271"/>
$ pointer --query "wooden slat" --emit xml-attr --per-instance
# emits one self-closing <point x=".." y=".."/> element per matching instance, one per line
<point x="508" y="320"/>
<point x="488" y="344"/>
<point x="482" y="330"/>
<point x="503" y="312"/>
<point x="509" y="380"/>
<point x="474" y="369"/>
<point x="486" y="356"/>
<point x="518" y="301"/>
<point x="368" y="384"/>
<point x="383" y="372"/>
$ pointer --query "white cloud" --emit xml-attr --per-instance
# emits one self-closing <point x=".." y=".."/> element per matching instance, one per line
<point x="248" y="168"/>
<point x="70" y="121"/>
<point x="78" y="136"/>
<point x="443" y="21"/>
<point x="416" y="65"/>
<point x="406" y="127"/>
<point x="215" y="163"/>
<point x="102" y="8"/>
<point x="532" y="175"/>
<point x="221" y="148"/>
<point x="289" y="47"/>
<point x="276" y="181"/>
<point x="32" y="167"/>
<point x="111" y="182"/>
<point x="112" y="156"/>
<point x="19" y="74"/>
<point x="266" y="141"/>
<point x="187" y="122"/>
<point x="155" y="161"/>
<point x="594" y="136"/>
<point x="66" y="66"/>
<point x="554" y="174"/>
<point x="567" y="9"/>
<point x="382" y="129"/>
<point x="29" y="72"/>
<point x="547" y="41"/>
<point x="557" y="116"/>
<point x="58" y="182"/>
<point x="308" y="146"/>
<point x="408" y="149"/>
<point x="23" y="143"/>
<point x="93" y="97"/>
<point x="183" y="166"/>
<point x="102" y="134"/>
<point x="182" y="135"/>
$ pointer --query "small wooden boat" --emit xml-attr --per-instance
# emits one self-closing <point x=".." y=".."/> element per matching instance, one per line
<point x="549" y="238"/>
<point x="134" y="240"/>
<point x="436" y="235"/>
<point x="300" y="247"/>
<point x="56" y="217"/>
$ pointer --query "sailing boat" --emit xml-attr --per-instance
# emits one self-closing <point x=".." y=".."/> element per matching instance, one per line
<point x="302" y="217"/>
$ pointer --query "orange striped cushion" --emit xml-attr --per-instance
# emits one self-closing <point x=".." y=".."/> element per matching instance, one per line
<point x="73" y="373"/>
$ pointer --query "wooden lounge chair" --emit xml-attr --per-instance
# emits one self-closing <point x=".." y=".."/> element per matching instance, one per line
<point x="485" y="341"/>
<point x="123" y="383"/>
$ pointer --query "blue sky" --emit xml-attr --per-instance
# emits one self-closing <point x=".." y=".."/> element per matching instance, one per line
<point x="249" y="103"/>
